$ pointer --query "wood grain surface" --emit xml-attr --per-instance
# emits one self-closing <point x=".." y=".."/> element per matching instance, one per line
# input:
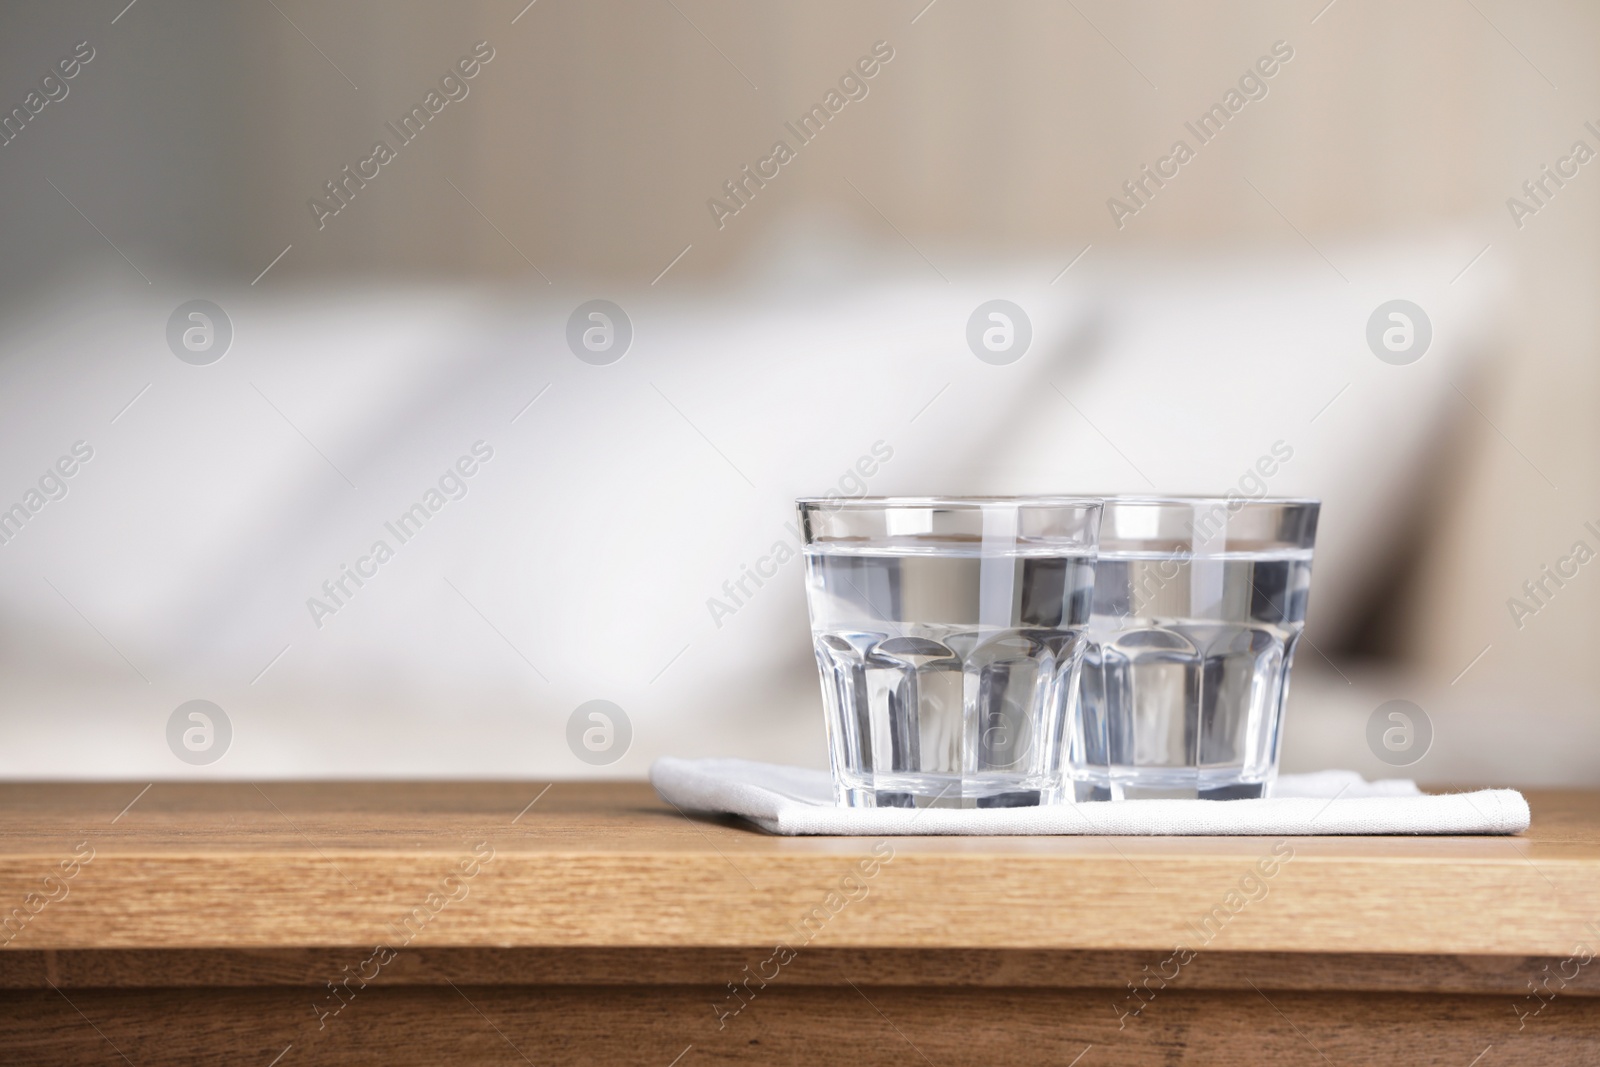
<point x="298" y="865"/>
<point x="801" y="1025"/>
<point x="1507" y="976"/>
<point x="285" y="924"/>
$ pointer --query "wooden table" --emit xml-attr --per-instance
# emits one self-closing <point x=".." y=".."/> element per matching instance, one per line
<point x="510" y="923"/>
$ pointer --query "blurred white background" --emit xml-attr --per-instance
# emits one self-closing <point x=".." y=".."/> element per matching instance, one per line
<point x="827" y="317"/>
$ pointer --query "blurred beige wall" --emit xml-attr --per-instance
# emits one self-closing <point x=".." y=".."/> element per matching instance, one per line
<point x="597" y="135"/>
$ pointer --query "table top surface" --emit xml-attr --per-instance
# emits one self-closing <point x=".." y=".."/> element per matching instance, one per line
<point x="485" y="864"/>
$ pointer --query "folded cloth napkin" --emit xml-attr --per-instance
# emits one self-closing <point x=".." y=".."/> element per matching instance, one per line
<point x="793" y="800"/>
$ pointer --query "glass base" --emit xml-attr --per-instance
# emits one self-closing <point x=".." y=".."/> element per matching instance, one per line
<point x="940" y="791"/>
<point x="1168" y="784"/>
<point x="1086" y="791"/>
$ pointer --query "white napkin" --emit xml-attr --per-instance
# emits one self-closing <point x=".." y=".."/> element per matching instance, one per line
<point x="793" y="800"/>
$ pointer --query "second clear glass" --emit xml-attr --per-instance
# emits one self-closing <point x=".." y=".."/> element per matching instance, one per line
<point x="1199" y="604"/>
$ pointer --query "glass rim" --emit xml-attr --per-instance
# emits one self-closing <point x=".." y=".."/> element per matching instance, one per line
<point x="1223" y="500"/>
<point x="948" y="502"/>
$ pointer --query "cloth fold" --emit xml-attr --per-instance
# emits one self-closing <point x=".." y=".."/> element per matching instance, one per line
<point x="796" y="801"/>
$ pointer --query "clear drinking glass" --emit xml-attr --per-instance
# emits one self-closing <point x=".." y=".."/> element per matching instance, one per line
<point x="949" y="634"/>
<point x="1199" y="603"/>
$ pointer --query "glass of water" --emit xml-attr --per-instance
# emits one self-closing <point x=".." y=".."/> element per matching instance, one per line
<point x="949" y="633"/>
<point x="1199" y="603"/>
